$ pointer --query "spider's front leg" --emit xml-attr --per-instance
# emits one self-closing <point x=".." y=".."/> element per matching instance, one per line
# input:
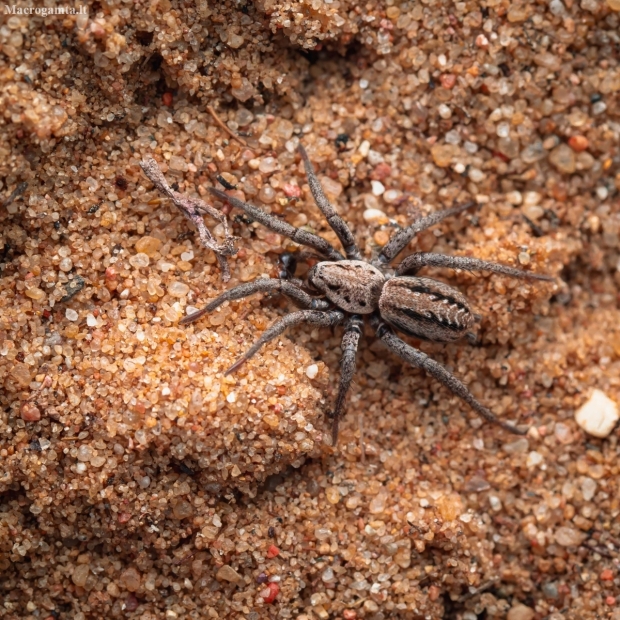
<point x="400" y="239"/>
<point x="412" y="264"/>
<point x="421" y="360"/>
<point x="338" y="225"/>
<point x="303" y="237"/>
<point x="350" y="341"/>
<point x="262" y="285"/>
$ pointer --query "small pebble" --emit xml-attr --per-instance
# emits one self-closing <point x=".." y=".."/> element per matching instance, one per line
<point x="514" y="198"/>
<point x="563" y="158"/>
<point x="569" y="537"/>
<point x="130" y="579"/>
<point x="270" y="593"/>
<point x="228" y="573"/>
<point x="332" y="494"/>
<point x="312" y="371"/>
<point x="71" y="314"/>
<point x="516" y="447"/>
<point x="578" y="143"/>
<point x="391" y="196"/>
<point x="520" y="612"/>
<point x="442" y="154"/>
<point x="377" y="188"/>
<point x="375" y="216"/>
<point x="272" y="551"/>
<point x="187" y="256"/>
<point x="80" y="575"/>
<point x="563" y="433"/>
<point x="139" y="260"/>
<point x="30" y="412"/>
<point x="588" y="488"/>
<point x="148" y="245"/>
<point x="178" y="289"/>
<point x="534" y="458"/>
<point x="476" y="175"/>
<point x="598" y="415"/>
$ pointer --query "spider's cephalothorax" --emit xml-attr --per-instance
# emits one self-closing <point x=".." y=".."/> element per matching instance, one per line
<point x="350" y="287"/>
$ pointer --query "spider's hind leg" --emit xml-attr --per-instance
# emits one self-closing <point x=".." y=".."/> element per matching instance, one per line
<point x="350" y="341"/>
<point x="314" y="317"/>
<point x="435" y="369"/>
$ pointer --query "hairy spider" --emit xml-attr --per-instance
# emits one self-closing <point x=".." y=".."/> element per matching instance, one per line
<point x="351" y="287"/>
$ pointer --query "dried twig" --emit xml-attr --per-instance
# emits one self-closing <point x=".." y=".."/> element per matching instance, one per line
<point x="18" y="191"/>
<point x="475" y="591"/>
<point x="221" y="124"/>
<point x="194" y="209"/>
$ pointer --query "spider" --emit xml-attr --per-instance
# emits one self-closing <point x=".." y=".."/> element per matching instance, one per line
<point x="346" y="288"/>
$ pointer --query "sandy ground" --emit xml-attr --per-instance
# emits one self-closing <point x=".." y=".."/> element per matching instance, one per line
<point x="137" y="480"/>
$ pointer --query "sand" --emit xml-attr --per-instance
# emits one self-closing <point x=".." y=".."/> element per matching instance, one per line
<point x="139" y="481"/>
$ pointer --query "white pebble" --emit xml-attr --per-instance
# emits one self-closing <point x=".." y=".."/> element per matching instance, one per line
<point x="602" y="192"/>
<point x="139" y="260"/>
<point x="503" y="130"/>
<point x="444" y="111"/>
<point x="377" y="188"/>
<point x="598" y="415"/>
<point x="514" y="198"/>
<point x="470" y="147"/>
<point x="476" y="175"/>
<point x="534" y="458"/>
<point x="391" y="196"/>
<point x="178" y="289"/>
<point x="91" y="321"/>
<point x="71" y="314"/>
<point x="364" y="148"/>
<point x="374" y="157"/>
<point x="66" y="264"/>
<point x="375" y="216"/>
<point x="312" y="371"/>
<point x="187" y="256"/>
<point x="165" y="266"/>
<point x="588" y="488"/>
<point x="363" y="84"/>
<point x="232" y="397"/>
<point x="531" y="199"/>
<point x="453" y="137"/>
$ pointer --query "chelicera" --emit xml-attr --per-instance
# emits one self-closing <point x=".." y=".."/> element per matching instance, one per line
<point x="345" y="289"/>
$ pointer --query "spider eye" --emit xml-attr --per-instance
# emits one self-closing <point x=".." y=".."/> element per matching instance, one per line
<point x="363" y="304"/>
<point x="333" y="287"/>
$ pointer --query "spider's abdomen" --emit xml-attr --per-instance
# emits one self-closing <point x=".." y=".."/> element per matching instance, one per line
<point x="425" y="308"/>
<point x="353" y="285"/>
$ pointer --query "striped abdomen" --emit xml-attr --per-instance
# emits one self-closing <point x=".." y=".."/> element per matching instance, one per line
<point x="425" y="308"/>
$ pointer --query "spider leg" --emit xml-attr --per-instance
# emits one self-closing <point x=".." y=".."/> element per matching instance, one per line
<point x="350" y="340"/>
<point x="281" y="227"/>
<point x="412" y="264"/>
<point x="436" y="370"/>
<point x="314" y="317"/>
<point x="401" y="238"/>
<point x="262" y="285"/>
<point x="333" y="219"/>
